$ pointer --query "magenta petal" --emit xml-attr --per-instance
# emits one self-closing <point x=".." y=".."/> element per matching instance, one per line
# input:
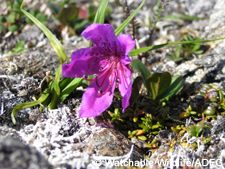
<point x="83" y="63"/>
<point x="125" y="84"/>
<point x="127" y="42"/>
<point x="104" y="38"/>
<point x="126" y="97"/>
<point x="125" y="60"/>
<point x="99" y="33"/>
<point x="95" y="102"/>
<point x="124" y="74"/>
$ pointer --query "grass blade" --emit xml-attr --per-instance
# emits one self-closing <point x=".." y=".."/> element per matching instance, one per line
<point x="55" y="43"/>
<point x="136" y="52"/>
<point x="182" y="17"/>
<point x="123" y="25"/>
<point x="70" y="88"/>
<point x="100" y="15"/>
<point x="25" y="105"/>
<point x="55" y="84"/>
<point x="64" y="82"/>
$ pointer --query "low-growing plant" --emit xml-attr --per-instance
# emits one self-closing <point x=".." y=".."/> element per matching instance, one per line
<point x="207" y="104"/>
<point x="185" y="51"/>
<point x="160" y="86"/>
<point x="19" y="48"/>
<point x="146" y="125"/>
<point x="116" y="115"/>
<point x="197" y="130"/>
<point x="14" y="20"/>
<point x="111" y="72"/>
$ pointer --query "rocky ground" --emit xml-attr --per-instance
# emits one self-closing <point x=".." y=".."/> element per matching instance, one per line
<point x="59" y="139"/>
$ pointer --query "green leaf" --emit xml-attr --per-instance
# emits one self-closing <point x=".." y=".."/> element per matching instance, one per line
<point x="68" y="14"/>
<point x="25" y="105"/>
<point x="174" y="88"/>
<point x="195" y="130"/>
<point x="55" y="43"/>
<point x="54" y="100"/>
<point x="142" y="138"/>
<point x="22" y="106"/>
<point x="70" y="88"/>
<point x="2" y="28"/>
<point x="100" y="15"/>
<point x="123" y="25"/>
<point x="136" y="52"/>
<point x="11" y="18"/>
<point x="158" y="83"/>
<point x="136" y="87"/>
<point x="56" y="81"/>
<point x="13" y="28"/>
<point x="56" y="88"/>
<point x="19" y="48"/>
<point x="176" y="54"/>
<point x="64" y="82"/>
<point x="141" y="68"/>
<point x="210" y="110"/>
<point x="41" y="17"/>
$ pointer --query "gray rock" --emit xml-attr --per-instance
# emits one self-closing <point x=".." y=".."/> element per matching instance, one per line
<point x="109" y="142"/>
<point x="9" y="132"/>
<point x="14" y="155"/>
<point x="200" y="8"/>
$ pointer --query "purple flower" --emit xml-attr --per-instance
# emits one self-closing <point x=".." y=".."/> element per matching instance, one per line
<point x="107" y="59"/>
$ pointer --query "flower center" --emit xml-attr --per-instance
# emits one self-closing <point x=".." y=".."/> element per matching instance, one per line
<point x="107" y="77"/>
